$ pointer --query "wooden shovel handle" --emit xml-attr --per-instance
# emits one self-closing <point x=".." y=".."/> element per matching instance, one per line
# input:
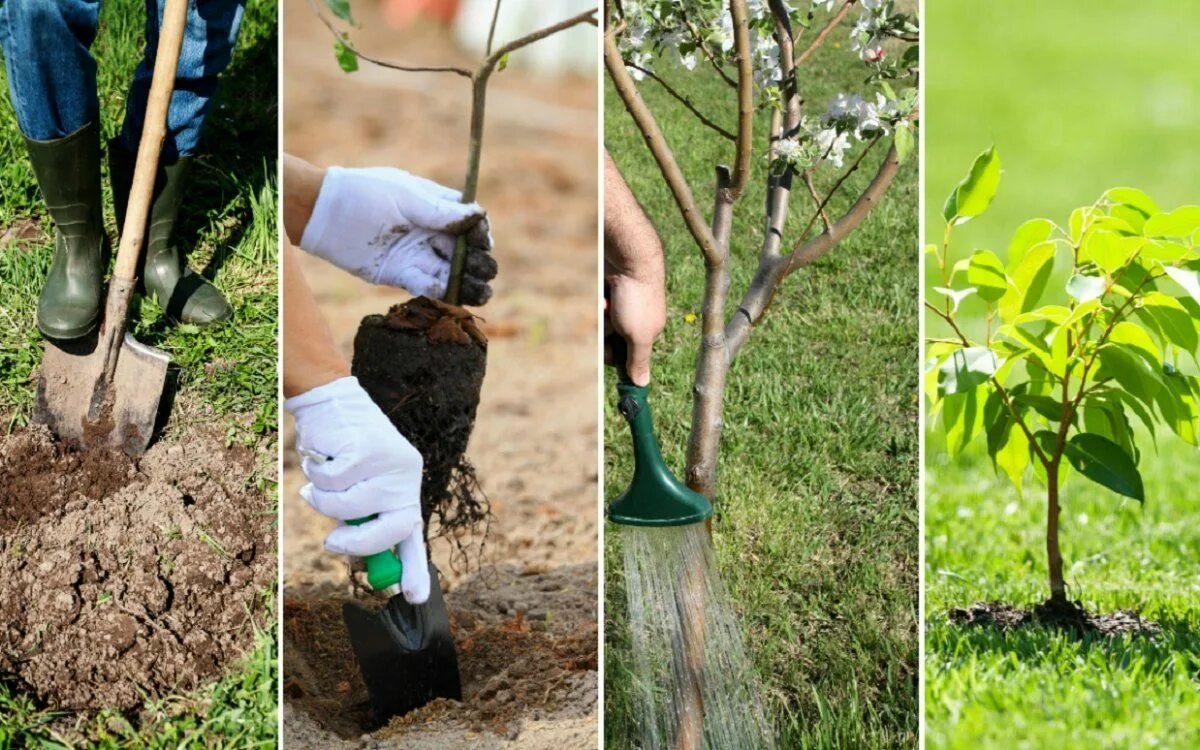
<point x="154" y="131"/>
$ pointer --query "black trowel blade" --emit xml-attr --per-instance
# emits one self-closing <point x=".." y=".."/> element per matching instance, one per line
<point x="405" y="652"/>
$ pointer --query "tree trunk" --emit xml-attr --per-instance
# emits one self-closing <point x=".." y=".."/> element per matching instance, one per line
<point x="1058" y="590"/>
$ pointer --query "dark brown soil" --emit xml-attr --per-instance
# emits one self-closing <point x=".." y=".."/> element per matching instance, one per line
<point x="1069" y="616"/>
<point x="423" y="363"/>
<point x="527" y="648"/>
<point x="124" y="581"/>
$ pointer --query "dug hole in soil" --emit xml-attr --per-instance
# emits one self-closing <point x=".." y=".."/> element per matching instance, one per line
<point x="123" y="581"/>
<point x="522" y="607"/>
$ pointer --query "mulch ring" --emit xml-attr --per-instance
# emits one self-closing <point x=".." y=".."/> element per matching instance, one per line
<point x="1068" y="616"/>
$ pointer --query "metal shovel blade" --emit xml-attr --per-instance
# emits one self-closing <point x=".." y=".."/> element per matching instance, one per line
<point x="405" y="652"/>
<point x="86" y="412"/>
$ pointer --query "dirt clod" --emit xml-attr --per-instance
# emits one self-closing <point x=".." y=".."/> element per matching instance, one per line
<point x="1068" y="616"/>
<point x="124" y="581"/>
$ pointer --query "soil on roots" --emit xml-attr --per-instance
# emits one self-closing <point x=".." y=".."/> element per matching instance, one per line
<point x="527" y="651"/>
<point x="125" y="581"/>
<point x="1060" y="615"/>
<point x="423" y="363"/>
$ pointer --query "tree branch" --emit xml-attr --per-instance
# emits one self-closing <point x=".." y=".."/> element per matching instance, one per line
<point x="745" y="89"/>
<point x="492" y="28"/>
<point x="772" y="271"/>
<point x="672" y="175"/>
<point x="682" y="100"/>
<point x="345" y="41"/>
<point x="819" y="39"/>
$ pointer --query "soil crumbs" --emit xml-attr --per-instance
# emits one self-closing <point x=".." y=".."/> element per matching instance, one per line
<point x="126" y="581"/>
<point x="527" y="651"/>
<point x="1070" y="616"/>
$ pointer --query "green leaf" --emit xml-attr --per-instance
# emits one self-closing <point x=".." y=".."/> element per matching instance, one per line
<point x="1178" y="405"/>
<point x="1102" y="461"/>
<point x="1135" y="199"/>
<point x="346" y="58"/>
<point x="1007" y="444"/>
<point x="1136" y="376"/>
<point x="502" y="63"/>
<point x="1134" y="336"/>
<point x="962" y="417"/>
<point x="1108" y="250"/>
<point x="904" y="141"/>
<point x="986" y="274"/>
<point x="967" y="369"/>
<point x="1186" y="278"/>
<point x="1086" y="288"/>
<point x="1029" y="279"/>
<point x="974" y="194"/>
<point x="1029" y="234"/>
<point x="1178" y="223"/>
<point x="1172" y="319"/>
<point x="340" y="8"/>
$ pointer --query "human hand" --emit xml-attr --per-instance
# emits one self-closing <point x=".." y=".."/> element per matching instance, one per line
<point x="389" y="227"/>
<point x="636" y="310"/>
<point x="359" y="466"/>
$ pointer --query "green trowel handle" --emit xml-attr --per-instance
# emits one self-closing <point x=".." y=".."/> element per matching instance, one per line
<point x="383" y="568"/>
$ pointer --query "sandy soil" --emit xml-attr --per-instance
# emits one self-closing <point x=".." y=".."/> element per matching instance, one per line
<point x="532" y="589"/>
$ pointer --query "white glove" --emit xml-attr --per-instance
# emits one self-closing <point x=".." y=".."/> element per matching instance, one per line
<point x="389" y="227"/>
<point x="358" y="465"/>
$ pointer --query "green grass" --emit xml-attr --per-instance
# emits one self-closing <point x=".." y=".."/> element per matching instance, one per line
<point x="226" y="375"/>
<point x="1078" y="97"/>
<point x="230" y="222"/>
<point x="816" y="527"/>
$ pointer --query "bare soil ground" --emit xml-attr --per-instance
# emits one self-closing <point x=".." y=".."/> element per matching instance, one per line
<point x="125" y="581"/>
<point x="524" y="605"/>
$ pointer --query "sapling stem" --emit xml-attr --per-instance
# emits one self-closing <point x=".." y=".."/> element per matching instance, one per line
<point x="479" y="81"/>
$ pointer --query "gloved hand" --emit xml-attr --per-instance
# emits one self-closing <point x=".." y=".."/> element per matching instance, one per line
<point x="358" y="465"/>
<point x="389" y="227"/>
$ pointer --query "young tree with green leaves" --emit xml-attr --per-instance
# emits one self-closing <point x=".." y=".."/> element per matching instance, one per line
<point x="1057" y="373"/>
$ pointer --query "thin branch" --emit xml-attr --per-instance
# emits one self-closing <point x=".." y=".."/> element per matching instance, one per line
<point x="812" y="190"/>
<point x="819" y="39"/>
<point x="648" y="126"/>
<point x="686" y="102"/>
<point x="833" y="191"/>
<point x="344" y="40"/>
<point x="699" y="40"/>
<point x="479" y="81"/>
<point x="492" y="27"/>
<point x="745" y="89"/>
<point x="772" y="271"/>
<point x="588" y="16"/>
<point x="1000" y="390"/>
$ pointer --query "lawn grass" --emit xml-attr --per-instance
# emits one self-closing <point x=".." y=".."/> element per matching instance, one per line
<point x="226" y="375"/>
<point x="1078" y="97"/>
<point x="816" y="525"/>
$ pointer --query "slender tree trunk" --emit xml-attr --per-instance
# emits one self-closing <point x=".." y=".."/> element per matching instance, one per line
<point x="712" y="361"/>
<point x="1058" y="590"/>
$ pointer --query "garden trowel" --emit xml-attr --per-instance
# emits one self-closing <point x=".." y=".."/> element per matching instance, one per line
<point x="106" y="391"/>
<point x="405" y="651"/>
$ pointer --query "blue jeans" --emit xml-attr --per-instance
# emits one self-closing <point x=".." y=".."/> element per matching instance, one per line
<point x="52" y="74"/>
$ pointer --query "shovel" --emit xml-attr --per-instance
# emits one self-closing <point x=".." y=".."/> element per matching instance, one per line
<point x="106" y="391"/>
<point x="405" y="651"/>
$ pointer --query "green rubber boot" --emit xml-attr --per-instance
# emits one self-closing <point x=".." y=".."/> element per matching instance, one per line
<point x="68" y="173"/>
<point x="186" y="295"/>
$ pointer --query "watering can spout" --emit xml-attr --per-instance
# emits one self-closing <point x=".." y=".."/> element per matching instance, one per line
<point x="655" y="496"/>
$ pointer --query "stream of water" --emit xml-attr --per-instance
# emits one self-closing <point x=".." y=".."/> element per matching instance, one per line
<point x="694" y="685"/>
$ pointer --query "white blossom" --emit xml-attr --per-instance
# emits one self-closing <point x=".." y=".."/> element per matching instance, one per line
<point x="833" y="145"/>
